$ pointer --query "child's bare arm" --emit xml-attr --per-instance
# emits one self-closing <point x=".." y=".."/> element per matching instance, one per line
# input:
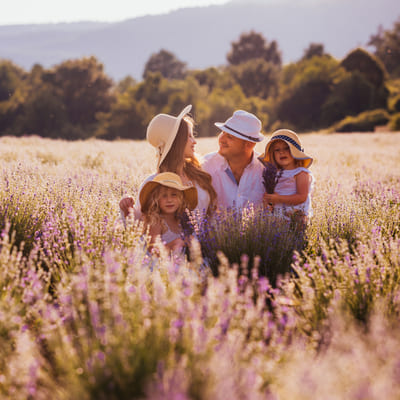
<point x="154" y="231"/>
<point x="302" y="188"/>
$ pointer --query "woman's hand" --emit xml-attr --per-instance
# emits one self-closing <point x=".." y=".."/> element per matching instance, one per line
<point x="126" y="205"/>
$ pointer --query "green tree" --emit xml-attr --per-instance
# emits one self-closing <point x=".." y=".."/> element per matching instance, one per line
<point x="84" y="89"/>
<point x="152" y="90"/>
<point x="167" y="64"/>
<point x="253" y="45"/>
<point x="387" y="48"/>
<point x="218" y="105"/>
<point x="364" y="88"/>
<point x="257" y="77"/>
<point x="127" y="118"/>
<point x="124" y="84"/>
<point x="314" y="50"/>
<point x="350" y="96"/>
<point x="11" y="77"/>
<point x="43" y="113"/>
<point x="369" y="66"/>
<point x="209" y="77"/>
<point x="305" y="86"/>
<point x="14" y="84"/>
<point x="9" y="110"/>
<point x="62" y="102"/>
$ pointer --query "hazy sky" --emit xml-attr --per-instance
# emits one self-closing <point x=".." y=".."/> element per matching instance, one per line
<point x="53" y="11"/>
<point x="43" y="11"/>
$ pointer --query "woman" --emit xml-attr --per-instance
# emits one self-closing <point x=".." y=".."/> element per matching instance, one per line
<point x="174" y="141"/>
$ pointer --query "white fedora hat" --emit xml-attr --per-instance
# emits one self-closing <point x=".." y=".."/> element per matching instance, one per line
<point x="243" y="125"/>
<point x="162" y="130"/>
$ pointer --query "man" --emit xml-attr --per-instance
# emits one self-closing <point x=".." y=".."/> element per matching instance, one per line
<point x="235" y="170"/>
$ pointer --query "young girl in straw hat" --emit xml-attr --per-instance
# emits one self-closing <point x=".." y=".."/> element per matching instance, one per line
<point x="292" y="195"/>
<point x="163" y="201"/>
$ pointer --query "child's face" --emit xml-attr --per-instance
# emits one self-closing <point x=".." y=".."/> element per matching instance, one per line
<point x="169" y="200"/>
<point x="282" y="155"/>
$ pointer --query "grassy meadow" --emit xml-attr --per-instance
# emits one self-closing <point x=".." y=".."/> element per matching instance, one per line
<point x="86" y="313"/>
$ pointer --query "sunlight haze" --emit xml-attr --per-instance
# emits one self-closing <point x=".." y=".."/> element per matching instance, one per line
<point x="50" y="11"/>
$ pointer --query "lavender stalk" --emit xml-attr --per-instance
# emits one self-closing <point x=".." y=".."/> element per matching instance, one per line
<point x="270" y="177"/>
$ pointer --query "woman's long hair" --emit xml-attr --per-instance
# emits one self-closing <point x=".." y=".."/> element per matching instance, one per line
<point x="191" y="166"/>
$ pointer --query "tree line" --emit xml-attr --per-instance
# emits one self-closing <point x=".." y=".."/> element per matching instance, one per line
<point x="77" y="100"/>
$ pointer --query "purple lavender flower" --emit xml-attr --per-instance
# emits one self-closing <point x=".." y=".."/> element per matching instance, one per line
<point x="270" y="177"/>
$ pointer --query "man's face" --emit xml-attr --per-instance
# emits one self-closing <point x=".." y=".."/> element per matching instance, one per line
<point x="231" y="146"/>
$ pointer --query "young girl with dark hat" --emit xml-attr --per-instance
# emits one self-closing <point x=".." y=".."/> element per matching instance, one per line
<point x="292" y="195"/>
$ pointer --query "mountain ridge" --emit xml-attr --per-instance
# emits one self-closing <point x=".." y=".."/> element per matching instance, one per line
<point x="199" y="36"/>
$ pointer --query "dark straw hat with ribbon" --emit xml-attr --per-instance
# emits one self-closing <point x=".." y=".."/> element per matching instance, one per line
<point x="294" y="143"/>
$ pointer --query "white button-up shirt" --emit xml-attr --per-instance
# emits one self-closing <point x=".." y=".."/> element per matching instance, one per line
<point x="250" y="189"/>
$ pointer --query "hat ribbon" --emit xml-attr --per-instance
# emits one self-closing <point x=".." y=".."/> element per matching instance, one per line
<point x="290" y="140"/>
<point x="240" y="133"/>
<point x="169" y="181"/>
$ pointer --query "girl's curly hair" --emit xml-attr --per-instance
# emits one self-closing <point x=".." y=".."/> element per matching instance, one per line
<point x="152" y="211"/>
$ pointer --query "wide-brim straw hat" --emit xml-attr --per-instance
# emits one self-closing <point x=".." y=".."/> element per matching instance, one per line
<point x="294" y="143"/>
<point x="171" y="180"/>
<point x="162" y="131"/>
<point x="243" y="125"/>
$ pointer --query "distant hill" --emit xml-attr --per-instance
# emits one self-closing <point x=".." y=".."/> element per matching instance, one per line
<point x="200" y="36"/>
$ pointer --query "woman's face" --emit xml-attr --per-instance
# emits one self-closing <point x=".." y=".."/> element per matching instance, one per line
<point x="190" y="144"/>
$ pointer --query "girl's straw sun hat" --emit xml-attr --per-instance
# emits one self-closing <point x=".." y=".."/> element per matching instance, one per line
<point x="294" y="143"/>
<point x="171" y="180"/>
<point x="162" y="130"/>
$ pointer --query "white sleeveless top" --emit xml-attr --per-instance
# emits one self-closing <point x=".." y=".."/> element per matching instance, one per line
<point x="287" y="186"/>
<point x="169" y="235"/>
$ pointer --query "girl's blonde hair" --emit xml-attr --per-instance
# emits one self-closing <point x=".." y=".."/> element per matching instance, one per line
<point x="298" y="163"/>
<point x="151" y="209"/>
<point x="191" y="167"/>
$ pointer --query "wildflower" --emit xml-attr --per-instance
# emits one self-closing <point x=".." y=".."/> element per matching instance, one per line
<point x="270" y="177"/>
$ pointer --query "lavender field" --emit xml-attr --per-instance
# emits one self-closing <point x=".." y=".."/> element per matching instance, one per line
<point x="86" y="313"/>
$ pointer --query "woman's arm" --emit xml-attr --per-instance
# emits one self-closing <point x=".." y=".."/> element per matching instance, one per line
<point x="302" y="189"/>
<point x="126" y="205"/>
